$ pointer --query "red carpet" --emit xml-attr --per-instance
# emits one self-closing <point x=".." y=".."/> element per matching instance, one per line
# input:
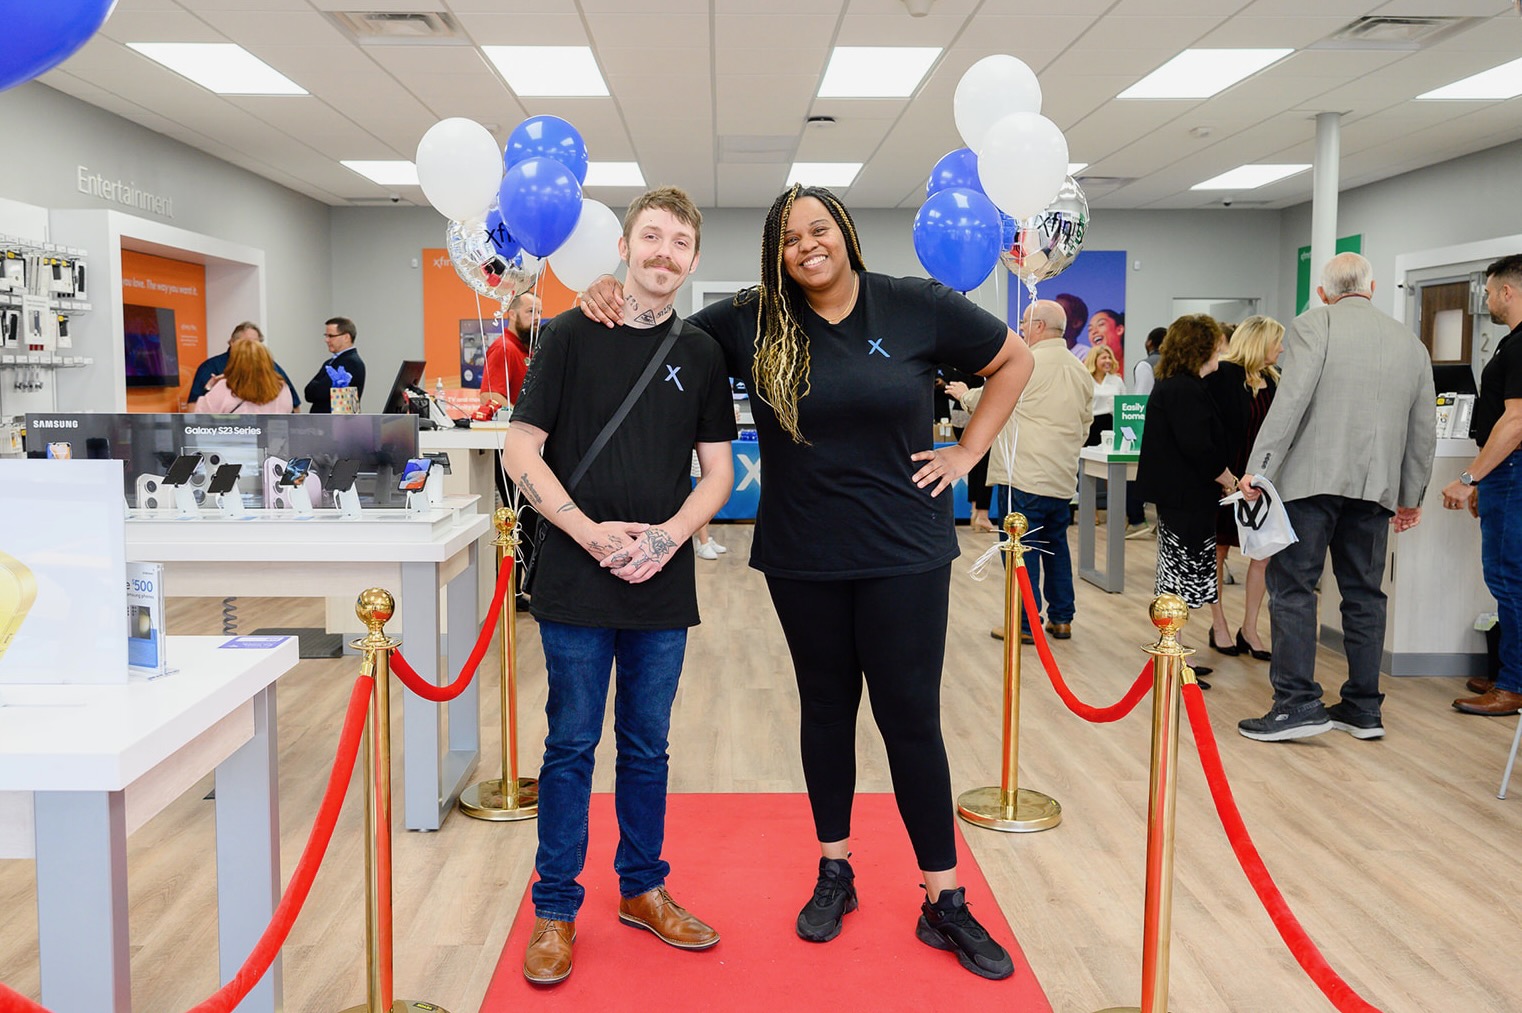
<point x="745" y="864"/>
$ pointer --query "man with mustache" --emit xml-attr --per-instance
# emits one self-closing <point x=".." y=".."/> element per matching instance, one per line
<point x="614" y="578"/>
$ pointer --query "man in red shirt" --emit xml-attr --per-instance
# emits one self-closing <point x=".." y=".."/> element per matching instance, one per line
<point x="507" y="357"/>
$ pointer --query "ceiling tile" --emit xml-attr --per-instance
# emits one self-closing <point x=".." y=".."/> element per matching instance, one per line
<point x="494" y="28"/>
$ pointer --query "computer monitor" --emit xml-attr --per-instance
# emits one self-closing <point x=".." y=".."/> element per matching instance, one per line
<point x="1454" y="378"/>
<point x="409" y="374"/>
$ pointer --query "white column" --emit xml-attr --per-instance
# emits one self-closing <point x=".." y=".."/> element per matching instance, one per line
<point x="1325" y="174"/>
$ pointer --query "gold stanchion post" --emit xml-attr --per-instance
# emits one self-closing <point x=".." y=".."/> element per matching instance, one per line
<point x="508" y="797"/>
<point x="1169" y="672"/>
<point x="1008" y="807"/>
<point x="375" y="608"/>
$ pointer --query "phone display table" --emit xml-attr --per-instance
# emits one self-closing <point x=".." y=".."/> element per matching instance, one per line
<point x="1096" y="464"/>
<point x="276" y="555"/>
<point x="81" y="767"/>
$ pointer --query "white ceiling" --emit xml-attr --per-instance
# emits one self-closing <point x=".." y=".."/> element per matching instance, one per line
<point x="696" y="82"/>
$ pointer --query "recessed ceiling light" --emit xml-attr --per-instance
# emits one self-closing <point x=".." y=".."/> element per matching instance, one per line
<point x="614" y="174"/>
<point x="220" y="67"/>
<point x="393" y="173"/>
<point x="1495" y="84"/>
<point x="1074" y="168"/>
<point x="876" y="71"/>
<point x="558" y="71"/>
<point x="840" y="174"/>
<point x="1250" y="177"/>
<point x="1200" y="73"/>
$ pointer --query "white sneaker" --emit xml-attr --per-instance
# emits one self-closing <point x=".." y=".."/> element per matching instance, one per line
<point x="705" y="550"/>
<point x="715" y="546"/>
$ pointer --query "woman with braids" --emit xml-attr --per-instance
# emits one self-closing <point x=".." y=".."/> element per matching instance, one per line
<point x="852" y="532"/>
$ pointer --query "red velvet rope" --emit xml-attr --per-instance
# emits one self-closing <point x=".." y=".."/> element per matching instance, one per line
<point x="1291" y="931"/>
<point x="443" y="694"/>
<point x="1097" y="715"/>
<point x="286" y="912"/>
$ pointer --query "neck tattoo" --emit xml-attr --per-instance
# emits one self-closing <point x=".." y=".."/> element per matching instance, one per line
<point x="636" y="315"/>
<point x="837" y="316"/>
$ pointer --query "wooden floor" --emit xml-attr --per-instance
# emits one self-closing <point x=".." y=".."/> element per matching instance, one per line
<point x="1396" y="855"/>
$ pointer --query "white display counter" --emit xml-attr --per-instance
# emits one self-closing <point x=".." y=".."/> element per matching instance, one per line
<point x="81" y="767"/>
<point x="1432" y="578"/>
<point x="1095" y="464"/>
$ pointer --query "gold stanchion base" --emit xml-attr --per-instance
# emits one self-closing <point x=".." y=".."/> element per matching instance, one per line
<point x="1032" y="810"/>
<point x="1121" y="1009"/>
<point x="487" y="801"/>
<point x="401" y="1006"/>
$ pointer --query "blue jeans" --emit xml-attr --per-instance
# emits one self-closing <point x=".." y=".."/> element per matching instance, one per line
<point x="1501" y="559"/>
<point x="1356" y="532"/>
<point x="578" y="662"/>
<point x="1052" y="515"/>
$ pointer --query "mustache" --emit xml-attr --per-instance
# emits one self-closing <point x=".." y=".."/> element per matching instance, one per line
<point x="668" y="264"/>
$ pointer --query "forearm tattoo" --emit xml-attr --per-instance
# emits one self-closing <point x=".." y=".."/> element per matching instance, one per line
<point x="567" y="505"/>
<point x="529" y="490"/>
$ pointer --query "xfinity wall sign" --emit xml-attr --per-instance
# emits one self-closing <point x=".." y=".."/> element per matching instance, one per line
<point x="122" y="191"/>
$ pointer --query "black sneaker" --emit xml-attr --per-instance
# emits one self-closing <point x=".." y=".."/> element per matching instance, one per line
<point x="1357" y="723"/>
<point x="1283" y="723"/>
<point x="949" y="925"/>
<point x="834" y="898"/>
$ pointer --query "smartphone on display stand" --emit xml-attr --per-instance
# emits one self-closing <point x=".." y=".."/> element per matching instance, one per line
<point x="341" y="478"/>
<point x="224" y="479"/>
<point x="414" y="475"/>
<point x="182" y="469"/>
<point x="296" y="471"/>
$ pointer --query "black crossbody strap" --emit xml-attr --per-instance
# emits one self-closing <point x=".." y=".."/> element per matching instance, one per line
<point x="623" y="409"/>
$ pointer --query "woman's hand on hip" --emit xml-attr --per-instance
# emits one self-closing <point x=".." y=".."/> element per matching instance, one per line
<point x="943" y="466"/>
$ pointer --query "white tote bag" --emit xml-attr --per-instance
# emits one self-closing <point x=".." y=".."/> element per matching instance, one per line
<point x="1263" y="526"/>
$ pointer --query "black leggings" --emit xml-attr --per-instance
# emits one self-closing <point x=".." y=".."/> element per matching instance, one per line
<point x="892" y="630"/>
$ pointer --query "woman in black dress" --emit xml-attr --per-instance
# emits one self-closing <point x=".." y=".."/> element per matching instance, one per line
<point x="1243" y="387"/>
<point x="1184" y="461"/>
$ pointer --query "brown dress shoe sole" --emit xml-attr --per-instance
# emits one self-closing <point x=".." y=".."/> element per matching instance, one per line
<point x="635" y="923"/>
<point x="546" y="981"/>
<point x="1479" y="685"/>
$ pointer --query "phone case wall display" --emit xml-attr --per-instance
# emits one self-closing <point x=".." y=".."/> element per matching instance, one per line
<point x="378" y="445"/>
<point x="41" y="286"/>
<point x="63" y="614"/>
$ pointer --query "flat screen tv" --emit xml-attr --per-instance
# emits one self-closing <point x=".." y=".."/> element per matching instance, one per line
<point x="409" y="374"/>
<point x="151" y="346"/>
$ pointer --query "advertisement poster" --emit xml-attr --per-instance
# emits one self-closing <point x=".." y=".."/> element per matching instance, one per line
<point x="1093" y="292"/>
<point x="458" y="324"/>
<point x="63" y="612"/>
<point x="1303" y="287"/>
<point x="164" y="329"/>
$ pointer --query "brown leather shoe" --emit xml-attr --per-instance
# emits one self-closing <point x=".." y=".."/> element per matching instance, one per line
<point x="548" y="958"/>
<point x="1060" y="631"/>
<point x="1496" y="703"/>
<point x="997" y="633"/>
<point x="656" y="911"/>
<point x="1479" y="685"/>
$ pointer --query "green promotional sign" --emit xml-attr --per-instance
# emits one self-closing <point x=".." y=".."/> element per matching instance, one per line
<point x="1303" y="286"/>
<point x="1130" y="420"/>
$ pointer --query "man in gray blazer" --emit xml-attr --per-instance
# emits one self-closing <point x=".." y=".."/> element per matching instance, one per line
<point x="1348" y="443"/>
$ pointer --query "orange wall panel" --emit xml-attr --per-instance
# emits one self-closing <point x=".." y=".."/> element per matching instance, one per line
<point x="175" y="285"/>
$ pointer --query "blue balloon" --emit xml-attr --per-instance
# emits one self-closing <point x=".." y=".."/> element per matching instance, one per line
<point x="501" y="239"/>
<point x="541" y="203"/>
<point x="547" y="137"/>
<point x="957" y="235"/>
<point x="957" y="168"/>
<point x="40" y="36"/>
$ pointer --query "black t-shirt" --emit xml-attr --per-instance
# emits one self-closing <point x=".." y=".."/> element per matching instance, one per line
<point x="576" y="381"/>
<point x="843" y="506"/>
<point x="1500" y="381"/>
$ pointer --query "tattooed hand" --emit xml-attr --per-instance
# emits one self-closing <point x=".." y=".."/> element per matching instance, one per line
<point x="645" y="558"/>
<point x="609" y="537"/>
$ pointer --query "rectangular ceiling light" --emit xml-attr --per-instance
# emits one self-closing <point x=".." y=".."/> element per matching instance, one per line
<point x="220" y="67"/>
<point x="614" y="174"/>
<point x="392" y="173"/>
<point x="876" y="71"/>
<point x="553" y="71"/>
<point x="1495" y="85"/>
<point x="1250" y="177"/>
<point x="840" y="174"/>
<point x="1074" y="168"/>
<point x="1200" y="73"/>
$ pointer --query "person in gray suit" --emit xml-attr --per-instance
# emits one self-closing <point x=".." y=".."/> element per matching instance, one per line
<point x="1348" y="444"/>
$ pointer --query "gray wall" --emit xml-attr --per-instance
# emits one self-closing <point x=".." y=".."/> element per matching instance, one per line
<point x="52" y="134"/>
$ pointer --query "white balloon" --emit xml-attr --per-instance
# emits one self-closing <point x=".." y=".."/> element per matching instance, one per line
<point x="459" y="167"/>
<point x="1023" y="163"/>
<point x="991" y="89"/>
<point x="592" y="248"/>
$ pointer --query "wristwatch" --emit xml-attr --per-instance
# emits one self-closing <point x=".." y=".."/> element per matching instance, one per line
<point x="1467" y="479"/>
